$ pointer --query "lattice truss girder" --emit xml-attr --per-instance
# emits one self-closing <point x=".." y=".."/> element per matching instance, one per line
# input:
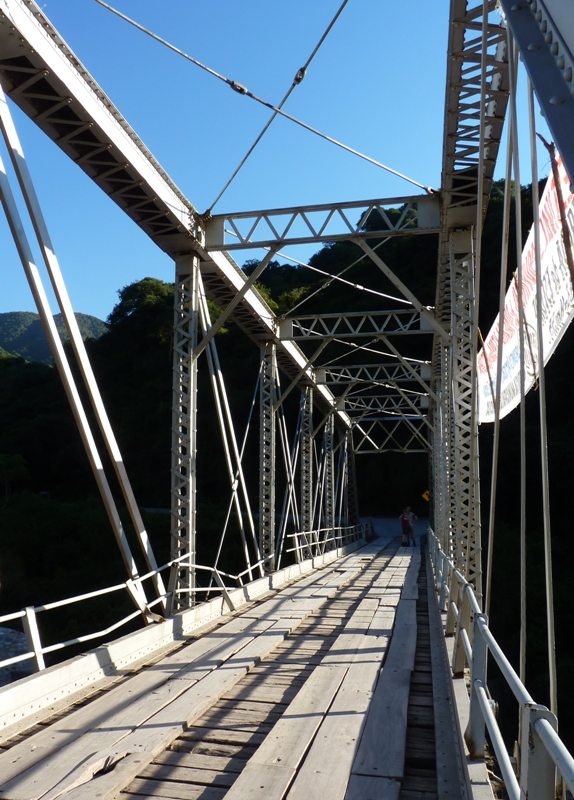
<point x="184" y="432"/>
<point x="352" y="325"/>
<point x="464" y="103"/>
<point x="323" y="223"/>
<point x="307" y="459"/>
<point x="267" y="435"/>
<point x="465" y="478"/>
<point x="391" y="434"/>
<point x="373" y="373"/>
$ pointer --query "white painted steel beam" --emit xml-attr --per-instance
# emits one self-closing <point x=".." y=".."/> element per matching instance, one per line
<point x="323" y="223"/>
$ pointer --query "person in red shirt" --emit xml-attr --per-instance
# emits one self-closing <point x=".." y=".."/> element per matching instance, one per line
<point x="407" y="520"/>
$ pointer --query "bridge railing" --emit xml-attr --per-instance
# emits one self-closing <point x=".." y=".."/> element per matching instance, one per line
<point x="29" y="615"/>
<point x="220" y="582"/>
<point x="544" y="761"/>
<point x="307" y="544"/>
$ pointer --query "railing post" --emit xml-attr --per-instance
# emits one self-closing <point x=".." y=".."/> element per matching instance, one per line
<point x="453" y="597"/>
<point x="33" y="637"/>
<point x="537" y="770"/>
<point x="463" y="623"/>
<point x="444" y="566"/>
<point x="474" y="734"/>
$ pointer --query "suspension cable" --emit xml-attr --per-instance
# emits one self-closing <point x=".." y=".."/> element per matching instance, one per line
<point x="243" y="90"/>
<point x="543" y="420"/>
<point x="512" y="68"/>
<point x="296" y="81"/>
<point x="338" y="278"/>
<point x="500" y="354"/>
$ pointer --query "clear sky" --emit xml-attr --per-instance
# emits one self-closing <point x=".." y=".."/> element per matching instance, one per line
<point x="377" y="84"/>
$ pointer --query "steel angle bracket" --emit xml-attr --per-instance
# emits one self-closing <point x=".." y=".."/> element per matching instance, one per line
<point x="549" y="63"/>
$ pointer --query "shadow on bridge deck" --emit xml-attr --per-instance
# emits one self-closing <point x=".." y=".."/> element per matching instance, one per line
<point x="335" y="687"/>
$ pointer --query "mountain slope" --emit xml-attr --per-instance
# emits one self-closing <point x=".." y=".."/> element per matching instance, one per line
<point x="21" y="333"/>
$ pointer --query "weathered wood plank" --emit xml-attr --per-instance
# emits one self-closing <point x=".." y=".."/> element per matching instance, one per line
<point x="451" y="782"/>
<point x="111" y="708"/>
<point x="362" y="787"/>
<point x="205" y="777"/>
<point x="402" y="650"/>
<point x="382" y="748"/>
<point x="200" y="761"/>
<point x="171" y="789"/>
<point x="272" y="767"/>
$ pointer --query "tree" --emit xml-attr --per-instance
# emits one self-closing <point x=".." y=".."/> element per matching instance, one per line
<point x="12" y="468"/>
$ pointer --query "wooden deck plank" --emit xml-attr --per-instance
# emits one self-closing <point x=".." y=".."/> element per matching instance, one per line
<point x="451" y="782"/>
<point x="327" y="766"/>
<point x="156" y="732"/>
<point x="46" y="774"/>
<point x="172" y="790"/>
<point x="363" y="787"/>
<point x="213" y="648"/>
<point x="270" y="770"/>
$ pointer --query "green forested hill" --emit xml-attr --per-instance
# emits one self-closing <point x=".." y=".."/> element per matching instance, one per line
<point x="21" y="333"/>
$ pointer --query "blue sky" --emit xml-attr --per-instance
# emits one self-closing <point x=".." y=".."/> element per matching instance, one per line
<point x="377" y="84"/>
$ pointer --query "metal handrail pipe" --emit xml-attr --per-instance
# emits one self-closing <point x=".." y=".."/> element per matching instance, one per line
<point x="78" y="598"/>
<point x="467" y="645"/>
<point x="557" y="751"/>
<point x="475" y="608"/>
<point x="9" y="617"/>
<point x="16" y="659"/>
<point x="455" y="611"/>
<point x="517" y="687"/>
<point x="52" y="648"/>
<point x="508" y="775"/>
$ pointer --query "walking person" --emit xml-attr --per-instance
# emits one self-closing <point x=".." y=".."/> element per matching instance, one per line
<point x="407" y="520"/>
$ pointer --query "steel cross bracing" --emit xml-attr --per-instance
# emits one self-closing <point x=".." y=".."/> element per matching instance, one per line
<point x="353" y="325"/>
<point x="323" y="223"/>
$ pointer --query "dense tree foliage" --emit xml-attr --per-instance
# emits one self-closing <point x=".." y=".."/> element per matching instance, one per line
<point x="21" y="333"/>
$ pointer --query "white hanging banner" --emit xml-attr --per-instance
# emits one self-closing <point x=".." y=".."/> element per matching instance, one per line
<point x="557" y="307"/>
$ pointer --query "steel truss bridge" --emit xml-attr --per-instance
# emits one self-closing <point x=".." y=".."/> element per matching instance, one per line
<point x="320" y="668"/>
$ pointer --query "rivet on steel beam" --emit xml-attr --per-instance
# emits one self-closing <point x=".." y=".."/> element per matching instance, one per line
<point x="556" y="100"/>
<point x="533" y="46"/>
<point x="554" y="49"/>
<point x="568" y="74"/>
<point x="538" y="16"/>
<point x="561" y="62"/>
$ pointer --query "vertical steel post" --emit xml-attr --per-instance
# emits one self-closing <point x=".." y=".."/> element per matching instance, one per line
<point x="465" y="438"/>
<point x="537" y="770"/>
<point x="267" y="397"/>
<point x="351" y="487"/>
<point x="329" y="478"/>
<point x="184" y="433"/>
<point x="307" y="459"/>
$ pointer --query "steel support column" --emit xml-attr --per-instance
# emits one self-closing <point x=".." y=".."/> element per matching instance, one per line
<point x="329" y="475"/>
<point x="307" y="459"/>
<point x="465" y="440"/>
<point x="352" y="500"/>
<point x="183" y="434"/>
<point x="267" y="396"/>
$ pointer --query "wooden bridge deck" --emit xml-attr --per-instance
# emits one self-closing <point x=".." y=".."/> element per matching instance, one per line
<point x="335" y="687"/>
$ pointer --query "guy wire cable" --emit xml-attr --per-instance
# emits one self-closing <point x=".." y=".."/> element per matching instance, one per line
<point x="240" y="89"/>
